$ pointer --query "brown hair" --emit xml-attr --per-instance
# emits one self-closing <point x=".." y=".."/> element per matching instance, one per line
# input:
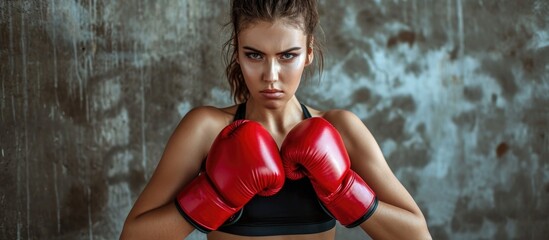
<point x="303" y="13"/>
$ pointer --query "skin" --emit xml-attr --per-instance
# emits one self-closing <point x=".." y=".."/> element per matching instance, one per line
<point x="272" y="57"/>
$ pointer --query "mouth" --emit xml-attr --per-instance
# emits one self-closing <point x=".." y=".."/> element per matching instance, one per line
<point x="272" y="93"/>
<point x="274" y="90"/>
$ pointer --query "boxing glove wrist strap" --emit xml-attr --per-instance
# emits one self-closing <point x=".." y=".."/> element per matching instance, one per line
<point x="353" y="203"/>
<point x="202" y="206"/>
<point x="189" y="219"/>
<point x="365" y="217"/>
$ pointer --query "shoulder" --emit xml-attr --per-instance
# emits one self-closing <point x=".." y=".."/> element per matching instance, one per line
<point x="211" y="112"/>
<point x="343" y="120"/>
<point x="202" y="124"/>
<point x="208" y="117"/>
<point x="354" y="132"/>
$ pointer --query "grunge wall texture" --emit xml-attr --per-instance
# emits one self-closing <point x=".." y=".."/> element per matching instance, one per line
<point x="455" y="91"/>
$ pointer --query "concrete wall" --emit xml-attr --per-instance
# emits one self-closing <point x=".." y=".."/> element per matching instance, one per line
<point x="456" y="92"/>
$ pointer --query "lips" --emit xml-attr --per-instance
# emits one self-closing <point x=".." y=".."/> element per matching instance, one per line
<point x="272" y="93"/>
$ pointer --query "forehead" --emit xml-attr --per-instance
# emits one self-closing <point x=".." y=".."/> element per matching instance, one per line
<point x="272" y="35"/>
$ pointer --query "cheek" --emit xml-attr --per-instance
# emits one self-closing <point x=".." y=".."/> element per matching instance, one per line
<point x="250" y="70"/>
<point x="296" y="67"/>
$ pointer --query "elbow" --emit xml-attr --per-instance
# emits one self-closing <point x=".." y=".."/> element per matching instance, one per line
<point x="126" y="230"/>
<point x="423" y="231"/>
<point x="124" y="234"/>
<point x="417" y="233"/>
<point x="425" y="235"/>
<point x="418" y="228"/>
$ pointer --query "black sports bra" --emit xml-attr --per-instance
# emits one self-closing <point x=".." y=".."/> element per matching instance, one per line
<point x="295" y="209"/>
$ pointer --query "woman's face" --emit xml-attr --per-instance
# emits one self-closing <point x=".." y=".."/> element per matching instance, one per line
<point x="272" y="57"/>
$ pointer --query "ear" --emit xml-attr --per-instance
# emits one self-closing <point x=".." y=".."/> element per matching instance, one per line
<point x="310" y="52"/>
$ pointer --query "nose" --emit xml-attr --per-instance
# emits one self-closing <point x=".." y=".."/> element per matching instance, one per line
<point x="272" y="70"/>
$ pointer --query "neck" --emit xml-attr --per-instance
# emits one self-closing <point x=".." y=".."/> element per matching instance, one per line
<point x="278" y="118"/>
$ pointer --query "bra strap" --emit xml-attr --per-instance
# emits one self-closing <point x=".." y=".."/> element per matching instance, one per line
<point x="241" y="112"/>
<point x="306" y="113"/>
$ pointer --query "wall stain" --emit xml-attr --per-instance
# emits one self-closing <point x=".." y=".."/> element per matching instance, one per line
<point x="503" y="75"/>
<point x="473" y="94"/>
<point x="502" y="149"/>
<point x="405" y="103"/>
<point x="362" y="95"/>
<point x="357" y="66"/>
<point x="467" y="120"/>
<point x="402" y="37"/>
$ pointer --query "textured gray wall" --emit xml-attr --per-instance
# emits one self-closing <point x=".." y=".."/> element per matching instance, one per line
<point x="456" y="92"/>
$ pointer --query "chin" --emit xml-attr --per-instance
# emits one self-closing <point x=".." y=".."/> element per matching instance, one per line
<point x="274" y="104"/>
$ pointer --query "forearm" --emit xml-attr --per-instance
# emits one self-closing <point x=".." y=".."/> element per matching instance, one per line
<point x="162" y="223"/>
<point x="390" y="222"/>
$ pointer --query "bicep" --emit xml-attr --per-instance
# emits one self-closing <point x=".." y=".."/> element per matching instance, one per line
<point x="180" y="163"/>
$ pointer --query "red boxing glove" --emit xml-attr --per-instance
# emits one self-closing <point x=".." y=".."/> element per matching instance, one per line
<point x="243" y="161"/>
<point x="314" y="148"/>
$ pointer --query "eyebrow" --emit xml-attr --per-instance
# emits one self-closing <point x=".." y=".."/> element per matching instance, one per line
<point x="285" y="51"/>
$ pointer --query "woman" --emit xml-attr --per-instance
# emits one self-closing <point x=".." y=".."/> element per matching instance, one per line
<point x="263" y="176"/>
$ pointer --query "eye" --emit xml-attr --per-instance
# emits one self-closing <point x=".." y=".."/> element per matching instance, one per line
<point x="288" y="56"/>
<point x="255" y="56"/>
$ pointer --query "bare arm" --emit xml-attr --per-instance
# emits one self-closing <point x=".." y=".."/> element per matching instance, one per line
<point x="397" y="215"/>
<point x="154" y="215"/>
